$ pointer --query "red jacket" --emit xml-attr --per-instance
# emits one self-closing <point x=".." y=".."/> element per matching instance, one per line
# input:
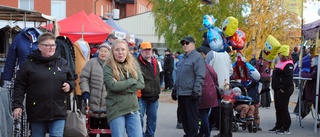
<point x="209" y="94"/>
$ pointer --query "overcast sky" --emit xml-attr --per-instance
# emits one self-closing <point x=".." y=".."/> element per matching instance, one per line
<point x="310" y="12"/>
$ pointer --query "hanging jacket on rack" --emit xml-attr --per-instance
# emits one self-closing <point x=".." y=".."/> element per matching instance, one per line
<point x="66" y="51"/>
<point x="23" y="45"/>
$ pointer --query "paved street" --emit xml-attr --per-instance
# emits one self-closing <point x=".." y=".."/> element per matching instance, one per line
<point x="167" y="121"/>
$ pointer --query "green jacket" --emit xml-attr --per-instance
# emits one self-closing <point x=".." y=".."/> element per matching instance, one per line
<point x="122" y="95"/>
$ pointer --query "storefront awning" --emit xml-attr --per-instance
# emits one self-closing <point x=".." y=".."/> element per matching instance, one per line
<point x="11" y="13"/>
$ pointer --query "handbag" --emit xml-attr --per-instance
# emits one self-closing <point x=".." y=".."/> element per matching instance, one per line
<point x="75" y="125"/>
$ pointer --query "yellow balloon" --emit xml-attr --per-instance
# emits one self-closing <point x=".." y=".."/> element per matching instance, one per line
<point x="271" y="48"/>
<point x="230" y="26"/>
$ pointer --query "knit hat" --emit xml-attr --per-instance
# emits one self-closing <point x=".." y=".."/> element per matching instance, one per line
<point x="105" y="45"/>
<point x="236" y="90"/>
<point x="284" y="50"/>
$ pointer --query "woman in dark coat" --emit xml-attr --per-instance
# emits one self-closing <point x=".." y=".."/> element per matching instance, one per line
<point x="282" y="85"/>
<point x="46" y="80"/>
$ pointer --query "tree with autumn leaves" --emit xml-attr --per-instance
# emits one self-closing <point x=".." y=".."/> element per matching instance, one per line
<point x="176" y="19"/>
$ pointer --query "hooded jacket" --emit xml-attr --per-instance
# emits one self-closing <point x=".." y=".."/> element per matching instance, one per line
<point x="41" y="79"/>
<point x="91" y="80"/>
<point x="21" y="47"/>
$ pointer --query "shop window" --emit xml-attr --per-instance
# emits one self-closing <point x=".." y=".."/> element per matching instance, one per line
<point x="126" y="1"/>
<point x="58" y="9"/>
<point x="101" y="10"/>
<point x="26" y="4"/>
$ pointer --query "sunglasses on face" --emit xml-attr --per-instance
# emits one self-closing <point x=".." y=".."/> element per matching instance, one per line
<point x="184" y="43"/>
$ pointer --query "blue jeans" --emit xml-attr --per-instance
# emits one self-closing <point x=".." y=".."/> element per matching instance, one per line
<point x="130" y="122"/>
<point x="204" y="117"/>
<point x="150" y="108"/>
<point x="56" y="127"/>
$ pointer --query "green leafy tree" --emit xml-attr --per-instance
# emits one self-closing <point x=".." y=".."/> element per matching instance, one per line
<point x="176" y="19"/>
<point x="265" y="18"/>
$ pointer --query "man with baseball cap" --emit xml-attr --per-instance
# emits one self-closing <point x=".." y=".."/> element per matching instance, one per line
<point x="191" y="71"/>
<point x="150" y="94"/>
<point x="111" y="38"/>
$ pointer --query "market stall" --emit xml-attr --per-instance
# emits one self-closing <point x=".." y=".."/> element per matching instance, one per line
<point x="8" y="33"/>
<point x="79" y="26"/>
<point x="311" y="32"/>
<point x="118" y="31"/>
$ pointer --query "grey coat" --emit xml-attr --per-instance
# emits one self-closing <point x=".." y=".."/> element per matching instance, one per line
<point x="191" y="70"/>
<point x="91" y="80"/>
<point x="6" y="118"/>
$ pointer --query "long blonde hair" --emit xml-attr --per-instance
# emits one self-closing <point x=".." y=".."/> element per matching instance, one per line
<point x="130" y="67"/>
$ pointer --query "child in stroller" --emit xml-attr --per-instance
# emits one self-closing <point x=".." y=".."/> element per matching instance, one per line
<point x="244" y="110"/>
<point x="243" y="105"/>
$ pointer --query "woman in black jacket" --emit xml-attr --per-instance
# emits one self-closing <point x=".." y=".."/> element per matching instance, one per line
<point x="46" y="80"/>
<point x="282" y="85"/>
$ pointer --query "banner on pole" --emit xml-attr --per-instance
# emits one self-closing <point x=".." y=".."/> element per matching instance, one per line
<point x="294" y="6"/>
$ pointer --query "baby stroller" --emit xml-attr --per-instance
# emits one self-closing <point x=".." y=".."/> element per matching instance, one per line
<point x="237" y="121"/>
<point x="94" y="130"/>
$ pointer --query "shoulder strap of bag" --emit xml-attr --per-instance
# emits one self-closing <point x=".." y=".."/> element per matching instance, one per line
<point x="211" y="76"/>
<point x="75" y="101"/>
<point x="219" y="93"/>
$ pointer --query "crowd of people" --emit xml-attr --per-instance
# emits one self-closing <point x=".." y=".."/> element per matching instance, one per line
<point x="126" y="81"/>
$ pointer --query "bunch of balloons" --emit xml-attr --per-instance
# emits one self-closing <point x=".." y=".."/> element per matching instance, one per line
<point x="230" y="36"/>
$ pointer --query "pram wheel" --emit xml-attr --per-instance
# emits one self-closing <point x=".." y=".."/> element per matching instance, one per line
<point x="244" y="127"/>
<point x="250" y="127"/>
<point x="235" y="127"/>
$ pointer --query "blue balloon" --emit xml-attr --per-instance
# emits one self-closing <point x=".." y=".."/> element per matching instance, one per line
<point x="215" y="40"/>
<point x="208" y="21"/>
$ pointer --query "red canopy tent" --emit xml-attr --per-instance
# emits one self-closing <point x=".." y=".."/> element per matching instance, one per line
<point x="95" y="19"/>
<point x="79" y="24"/>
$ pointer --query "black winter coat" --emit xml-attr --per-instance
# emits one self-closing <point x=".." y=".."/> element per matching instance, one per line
<point x="168" y="63"/>
<point x="41" y="80"/>
<point x="282" y="79"/>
